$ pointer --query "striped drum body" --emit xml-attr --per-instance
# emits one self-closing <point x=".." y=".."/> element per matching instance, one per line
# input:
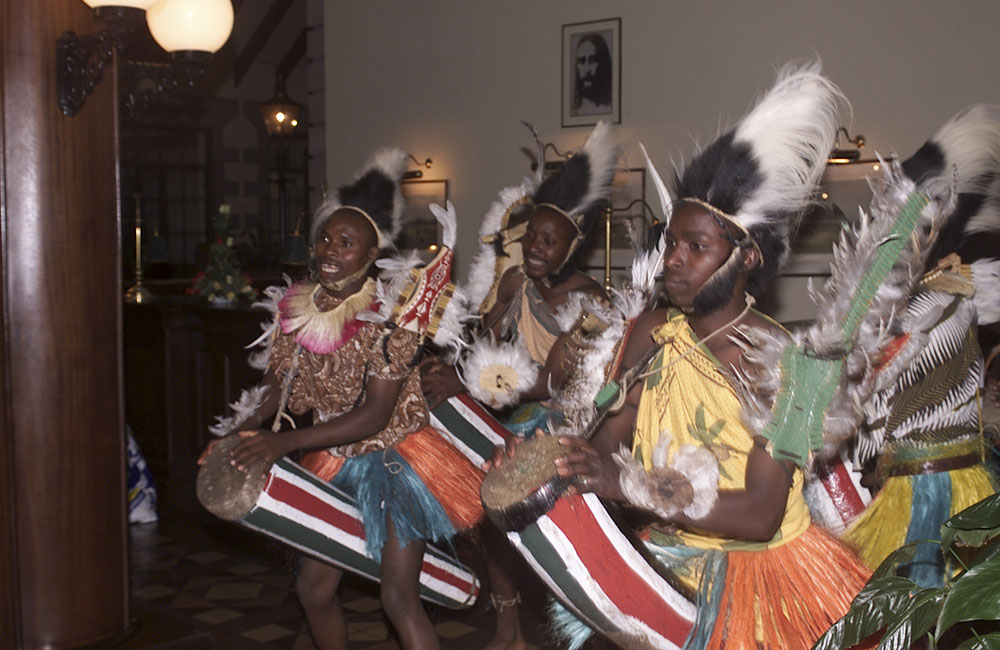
<point x="597" y="572"/>
<point x="581" y="553"/>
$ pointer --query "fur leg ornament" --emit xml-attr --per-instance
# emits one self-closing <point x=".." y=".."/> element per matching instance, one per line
<point x="500" y="603"/>
<point x="690" y="485"/>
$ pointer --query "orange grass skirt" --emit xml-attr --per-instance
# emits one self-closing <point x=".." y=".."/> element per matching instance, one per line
<point x="786" y="597"/>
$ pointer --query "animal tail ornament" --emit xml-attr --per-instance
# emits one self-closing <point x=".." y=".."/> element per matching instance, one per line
<point x="826" y="372"/>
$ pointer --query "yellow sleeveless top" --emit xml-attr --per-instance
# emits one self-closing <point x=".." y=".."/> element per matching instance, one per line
<point x="692" y="401"/>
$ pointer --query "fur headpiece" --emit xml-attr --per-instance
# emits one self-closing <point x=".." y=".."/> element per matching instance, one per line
<point x="762" y="174"/>
<point x="967" y="145"/>
<point x="583" y="184"/>
<point x="374" y="193"/>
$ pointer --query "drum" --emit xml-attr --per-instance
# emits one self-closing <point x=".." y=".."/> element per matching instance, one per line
<point x="291" y="505"/>
<point x="605" y="577"/>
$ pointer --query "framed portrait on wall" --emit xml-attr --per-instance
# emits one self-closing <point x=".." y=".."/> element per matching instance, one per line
<point x="591" y="72"/>
<point x="420" y="229"/>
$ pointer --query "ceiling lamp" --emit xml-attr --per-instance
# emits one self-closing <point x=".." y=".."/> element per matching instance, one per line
<point x="188" y="29"/>
<point x="135" y="4"/>
<point x="281" y="114"/>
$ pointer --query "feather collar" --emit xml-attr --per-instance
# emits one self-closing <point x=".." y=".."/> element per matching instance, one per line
<point x="322" y="332"/>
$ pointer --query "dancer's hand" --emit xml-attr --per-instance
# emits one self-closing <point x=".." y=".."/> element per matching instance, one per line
<point x="438" y="381"/>
<point x="259" y="445"/>
<point x="209" y="447"/>
<point x="590" y="470"/>
<point x="508" y="451"/>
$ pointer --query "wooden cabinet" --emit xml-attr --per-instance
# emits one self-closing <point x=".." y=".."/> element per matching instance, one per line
<point x="184" y="363"/>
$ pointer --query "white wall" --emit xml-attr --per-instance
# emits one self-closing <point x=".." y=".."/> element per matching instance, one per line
<point x="452" y="79"/>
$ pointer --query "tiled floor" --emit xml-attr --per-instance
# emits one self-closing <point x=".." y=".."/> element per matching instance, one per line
<point x="202" y="583"/>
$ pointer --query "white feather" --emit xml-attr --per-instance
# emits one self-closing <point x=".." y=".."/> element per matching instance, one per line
<point x="986" y="276"/>
<point x="602" y="152"/>
<point x="666" y="201"/>
<point x="243" y="409"/>
<point x="481" y="270"/>
<point x="791" y="131"/>
<point x="448" y="221"/>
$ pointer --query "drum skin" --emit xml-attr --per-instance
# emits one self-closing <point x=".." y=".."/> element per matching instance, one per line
<point x="224" y="490"/>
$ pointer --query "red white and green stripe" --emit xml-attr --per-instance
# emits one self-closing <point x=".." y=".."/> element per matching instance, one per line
<point x="467" y="425"/>
<point x="300" y="510"/>
<point x="593" y="568"/>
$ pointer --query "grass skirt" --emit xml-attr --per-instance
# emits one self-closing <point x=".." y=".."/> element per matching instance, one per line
<point x="428" y="489"/>
<point x="775" y="599"/>
<point x="783" y="597"/>
<point x="894" y="518"/>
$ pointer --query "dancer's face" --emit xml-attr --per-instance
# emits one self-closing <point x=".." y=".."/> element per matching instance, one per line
<point x="346" y="244"/>
<point x="696" y="247"/>
<point x="546" y="243"/>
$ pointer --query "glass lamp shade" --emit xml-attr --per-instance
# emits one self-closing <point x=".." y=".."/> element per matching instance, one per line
<point x="190" y="25"/>
<point x="135" y="4"/>
<point x="281" y="114"/>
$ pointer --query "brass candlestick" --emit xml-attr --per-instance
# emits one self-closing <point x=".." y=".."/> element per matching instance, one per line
<point x="138" y="293"/>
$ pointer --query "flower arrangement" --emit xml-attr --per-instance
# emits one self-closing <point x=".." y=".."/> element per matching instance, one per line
<point x="222" y="280"/>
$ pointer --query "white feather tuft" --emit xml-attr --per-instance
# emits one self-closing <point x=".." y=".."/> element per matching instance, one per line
<point x="497" y="373"/>
<point x="791" y="131"/>
<point x="602" y="152"/>
<point x="448" y="221"/>
<point x="986" y="276"/>
<point x="657" y="489"/>
<point x="243" y="409"/>
<point x="481" y="271"/>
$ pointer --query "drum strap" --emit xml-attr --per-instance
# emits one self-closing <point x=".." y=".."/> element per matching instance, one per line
<point x="286" y="389"/>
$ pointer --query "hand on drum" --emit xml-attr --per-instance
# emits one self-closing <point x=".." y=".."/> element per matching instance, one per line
<point x="590" y="470"/>
<point x="259" y="445"/>
<point x="438" y="381"/>
<point x="508" y="451"/>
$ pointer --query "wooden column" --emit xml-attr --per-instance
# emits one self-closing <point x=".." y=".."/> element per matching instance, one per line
<point x="63" y="562"/>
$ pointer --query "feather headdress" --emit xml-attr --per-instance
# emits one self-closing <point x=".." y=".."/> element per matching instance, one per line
<point x="374" y="193"/>
<point x="499" y="239"/>
<point x="761" y="175"/>
<point x="876" y="267"/>
<point x="578" y="190"/>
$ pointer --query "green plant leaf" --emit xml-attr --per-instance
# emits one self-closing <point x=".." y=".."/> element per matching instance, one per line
<point x="986" y="642"/>
<point x="974" y="596"/>
<point x="914" y="622"/>
<point x="975" y="524"/>
<point x="901" y="555"/>
<point x="877" y="606"/>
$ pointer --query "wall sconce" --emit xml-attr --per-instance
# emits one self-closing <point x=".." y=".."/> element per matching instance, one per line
<point x="191" y="30"/>
<point x="552" y="165"/>
<point x="842" y="156"/>
<point x="417" y="173"/>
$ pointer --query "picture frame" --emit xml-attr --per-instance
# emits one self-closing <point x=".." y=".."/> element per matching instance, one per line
<point x="420" y="229"/>
<point x="591" y="72"/>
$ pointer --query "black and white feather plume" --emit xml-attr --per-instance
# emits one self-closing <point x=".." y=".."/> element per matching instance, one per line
<point x="763" y="173"/>
<point x="954" y="172"/>
<point x="376" y="191"/>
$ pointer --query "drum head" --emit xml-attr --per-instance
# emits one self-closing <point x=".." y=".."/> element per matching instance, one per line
<point x="525" y="487"/>
<point x="224" y="490"/>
